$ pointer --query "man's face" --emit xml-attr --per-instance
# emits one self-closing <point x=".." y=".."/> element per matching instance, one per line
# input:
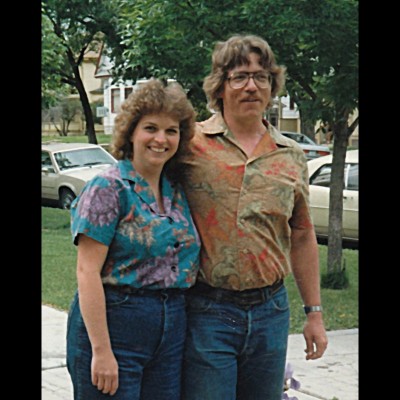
<point x="249" y="101"/>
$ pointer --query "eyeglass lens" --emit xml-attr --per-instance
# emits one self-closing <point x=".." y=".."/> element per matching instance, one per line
<point x="240" y="79"/>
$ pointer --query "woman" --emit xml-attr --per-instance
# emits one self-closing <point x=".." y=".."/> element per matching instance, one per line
<point x="137" y="251"/>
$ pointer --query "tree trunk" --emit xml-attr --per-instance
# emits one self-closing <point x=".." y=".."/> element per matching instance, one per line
<point x="307" y="124"/>
<point x="308" y="128"/>
<point x="86" y="107"/>
<point x="340" y="134"/>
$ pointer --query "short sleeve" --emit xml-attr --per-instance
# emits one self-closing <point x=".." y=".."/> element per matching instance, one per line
<point x="301" y="217"/>
<point x="95" y="212"/>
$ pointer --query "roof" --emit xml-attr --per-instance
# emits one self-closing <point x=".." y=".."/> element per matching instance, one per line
<point x="351" y="157"/>
<point x="313" y="165"/>
<point x="58" y="146"/>
<point x="104" y="64"/>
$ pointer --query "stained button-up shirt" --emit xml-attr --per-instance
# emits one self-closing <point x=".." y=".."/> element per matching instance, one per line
<point x="245" y="207"/>
<point x="147" y="248"/>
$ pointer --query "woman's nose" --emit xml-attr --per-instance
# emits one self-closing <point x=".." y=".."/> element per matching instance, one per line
<point x="160" y="137"/>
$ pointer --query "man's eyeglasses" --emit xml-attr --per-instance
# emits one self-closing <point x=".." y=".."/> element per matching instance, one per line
<point x="238" y="80"/>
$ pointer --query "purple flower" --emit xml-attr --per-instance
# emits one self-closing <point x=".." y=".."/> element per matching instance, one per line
<point x="99" y="205"/>
<point x="286" y="397"/>
<point x="290" y="383"/>
<point x="163" y="271"/>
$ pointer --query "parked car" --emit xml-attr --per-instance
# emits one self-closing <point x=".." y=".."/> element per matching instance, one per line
<point x="311" y="149"/>
<point x="66" y="167"/>
<point x="320" y="177"/>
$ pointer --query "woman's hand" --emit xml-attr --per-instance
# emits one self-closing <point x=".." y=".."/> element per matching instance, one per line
<point x="105" y="371"/>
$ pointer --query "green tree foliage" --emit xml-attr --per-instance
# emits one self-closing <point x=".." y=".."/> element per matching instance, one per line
<point x="77" y="26"/>
<point x="171" y="39"/>
<point x="52" y="87"/>
<point x="317" y="40"/>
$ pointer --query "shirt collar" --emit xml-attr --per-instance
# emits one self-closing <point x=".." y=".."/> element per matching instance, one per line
<point x="279" y="139"/>
<point x="141" y="186"/>
<point x="216" y="125"/>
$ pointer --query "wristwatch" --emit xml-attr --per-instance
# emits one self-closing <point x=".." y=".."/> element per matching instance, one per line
<point x="308" y="309"/>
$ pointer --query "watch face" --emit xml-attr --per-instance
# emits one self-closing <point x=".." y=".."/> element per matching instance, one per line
<point x="308" y="309"/>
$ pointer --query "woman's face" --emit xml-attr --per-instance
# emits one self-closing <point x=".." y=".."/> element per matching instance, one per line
<point x="155" y="141"/>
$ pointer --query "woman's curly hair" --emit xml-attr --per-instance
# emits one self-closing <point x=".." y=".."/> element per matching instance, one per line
<point x="235" y="52"/>
<point x="154" y="97"/>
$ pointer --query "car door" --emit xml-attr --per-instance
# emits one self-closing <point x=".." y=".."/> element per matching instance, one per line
<point x="319" y="199"/>
<point x="350" y="202"/>
<point x="49" y="178"/>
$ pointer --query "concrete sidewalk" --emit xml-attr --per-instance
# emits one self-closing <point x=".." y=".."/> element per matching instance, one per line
<point x="333" y="377"/>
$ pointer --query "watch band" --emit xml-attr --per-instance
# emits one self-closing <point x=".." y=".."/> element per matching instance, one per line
<point x="308" y="309"/>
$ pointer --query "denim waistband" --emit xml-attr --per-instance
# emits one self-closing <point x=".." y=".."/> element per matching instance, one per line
<point x="243" y="298"/>
<point x="126" y="289"/>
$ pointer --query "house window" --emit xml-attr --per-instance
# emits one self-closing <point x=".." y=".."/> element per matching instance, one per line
<point x="273" y="116"/>
<point x="274" y="120"/>
<point x="128" y="91"/>
<point x="115" y="100"/>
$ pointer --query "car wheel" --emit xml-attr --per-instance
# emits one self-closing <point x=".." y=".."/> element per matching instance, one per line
<point x="66" y="198"/>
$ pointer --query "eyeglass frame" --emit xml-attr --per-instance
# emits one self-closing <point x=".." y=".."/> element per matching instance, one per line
<point x="249" y="75"/>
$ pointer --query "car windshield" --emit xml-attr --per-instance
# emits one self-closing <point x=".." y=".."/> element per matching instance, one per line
<point x="305" y="139"/>
<point x="299" y="138"/>
<point x="323" y="176"/>
<point x="82" y="158"/>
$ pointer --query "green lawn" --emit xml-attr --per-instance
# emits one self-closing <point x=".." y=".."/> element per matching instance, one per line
<point x="59" y="278"/>
<point x="101" y="138"/>
<point x="58" y="258"/>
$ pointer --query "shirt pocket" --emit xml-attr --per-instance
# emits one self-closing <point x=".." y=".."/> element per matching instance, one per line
<point x="269" y="196"/>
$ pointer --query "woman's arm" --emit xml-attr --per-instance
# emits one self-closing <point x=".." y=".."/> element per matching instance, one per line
<point x="90" y="260"/>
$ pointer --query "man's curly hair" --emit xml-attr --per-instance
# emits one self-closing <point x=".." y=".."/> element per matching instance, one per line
<point x="235" y="52"/>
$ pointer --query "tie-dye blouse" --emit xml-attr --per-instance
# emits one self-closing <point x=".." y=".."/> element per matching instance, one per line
<point x="147" y="248"/>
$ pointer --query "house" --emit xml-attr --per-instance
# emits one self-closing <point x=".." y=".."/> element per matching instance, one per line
<point x="113" y="93"/>
<point x="284" y="114"/>
<point x="94" y="90"/>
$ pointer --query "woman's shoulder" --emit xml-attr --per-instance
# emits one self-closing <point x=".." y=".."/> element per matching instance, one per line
<point x="104" y="177"/>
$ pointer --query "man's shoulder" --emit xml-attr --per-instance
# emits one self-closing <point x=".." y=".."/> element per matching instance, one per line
<point x="282" y="139"/>
<point x="214" y="124"/>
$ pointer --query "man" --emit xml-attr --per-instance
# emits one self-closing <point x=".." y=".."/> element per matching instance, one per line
<point x="248" y="193"/>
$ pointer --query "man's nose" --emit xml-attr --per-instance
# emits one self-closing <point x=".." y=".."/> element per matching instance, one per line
<point x="251" y="84"/>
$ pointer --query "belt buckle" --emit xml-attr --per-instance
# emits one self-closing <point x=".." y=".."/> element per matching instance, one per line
<point x="255" y="298"/>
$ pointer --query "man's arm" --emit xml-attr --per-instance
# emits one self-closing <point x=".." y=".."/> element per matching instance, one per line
<point x="305" y="267"/>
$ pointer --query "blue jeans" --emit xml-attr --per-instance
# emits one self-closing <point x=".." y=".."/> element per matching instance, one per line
<point x="147" y="335"/>
<point x="235" y="353"/>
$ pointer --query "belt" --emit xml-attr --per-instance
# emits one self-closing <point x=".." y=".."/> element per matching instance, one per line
<point x="243" y="298"/>
<point x="126" y="289"/>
